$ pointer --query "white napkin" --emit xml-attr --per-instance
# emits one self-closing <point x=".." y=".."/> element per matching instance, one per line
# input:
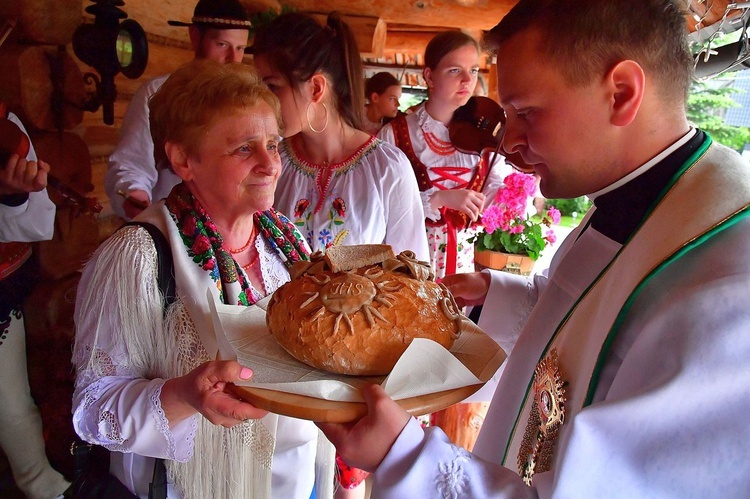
<point x="425" y="367"/>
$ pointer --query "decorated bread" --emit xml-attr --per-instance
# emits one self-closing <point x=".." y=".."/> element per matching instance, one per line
<point x="356" y="309"/>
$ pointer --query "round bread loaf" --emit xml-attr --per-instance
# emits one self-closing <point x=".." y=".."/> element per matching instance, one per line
<point x="356" y="309"/>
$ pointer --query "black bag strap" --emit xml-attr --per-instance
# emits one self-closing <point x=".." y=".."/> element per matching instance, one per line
<point x="157" y="489"/>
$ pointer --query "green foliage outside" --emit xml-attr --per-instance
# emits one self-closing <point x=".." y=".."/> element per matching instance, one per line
<point x="567" y="207"/>
<point x="704" y="104"/>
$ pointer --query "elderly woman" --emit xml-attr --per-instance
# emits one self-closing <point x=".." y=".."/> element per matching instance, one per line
<point x="147" y="383"/>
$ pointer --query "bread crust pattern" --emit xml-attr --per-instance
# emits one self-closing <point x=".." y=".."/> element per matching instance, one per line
<point x="360" y="320"/>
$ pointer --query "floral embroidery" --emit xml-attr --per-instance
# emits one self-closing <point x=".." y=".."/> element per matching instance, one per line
<point x="205" y="245"/>
<point x="325" y="238"/>
<point x="452" y="480"/>
<point x="324" y="195"/>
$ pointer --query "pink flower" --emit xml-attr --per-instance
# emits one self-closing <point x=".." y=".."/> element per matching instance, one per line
<point x="492" y="218"/>
<point x="550" y="236"/>
<point x="554" y="215"/>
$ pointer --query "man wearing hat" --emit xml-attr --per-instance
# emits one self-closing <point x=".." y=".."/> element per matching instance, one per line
<point x="218" y="30"/>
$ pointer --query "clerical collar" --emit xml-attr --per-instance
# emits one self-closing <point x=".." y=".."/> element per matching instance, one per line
<point x="621" y="206"/>
<point x="647" y="166"/>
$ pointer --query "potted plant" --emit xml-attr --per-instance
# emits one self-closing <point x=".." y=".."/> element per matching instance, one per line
<point x="511" y="240"/>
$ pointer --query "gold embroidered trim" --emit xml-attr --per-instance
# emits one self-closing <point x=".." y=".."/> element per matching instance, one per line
<point x="546" y="417"/>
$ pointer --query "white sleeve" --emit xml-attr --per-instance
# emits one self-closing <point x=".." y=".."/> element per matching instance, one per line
<point x="33" y="220"/>
<point x="423" y="463"/>
<point x="113" y="405"/>
<point x="668" y="416"/>
<point x="131" y="164"/>
<point x="405" y="229"/>
<point x="386" y="135"/>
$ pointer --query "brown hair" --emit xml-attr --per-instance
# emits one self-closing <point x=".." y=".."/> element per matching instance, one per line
<point x="298" y="47"/>
<point x="196" y="95"/>
<point x="379" y="83"/>
<point x="585" y="39"/>
<point x="443" y="44"/>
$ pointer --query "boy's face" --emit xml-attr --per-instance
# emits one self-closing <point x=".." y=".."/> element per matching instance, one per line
<point x="559" y="129"/>
<point x="221" y="45"/>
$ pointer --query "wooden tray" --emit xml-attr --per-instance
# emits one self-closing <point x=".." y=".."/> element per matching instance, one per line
<point x="329" y="411"/>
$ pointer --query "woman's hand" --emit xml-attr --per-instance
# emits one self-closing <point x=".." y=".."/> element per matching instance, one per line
<point x="20" y="176"/>
<point x="364" y="443"/>
<point x="468" y="289"/>
<point x="202" y="390"/>
<point x="464" y="200"/>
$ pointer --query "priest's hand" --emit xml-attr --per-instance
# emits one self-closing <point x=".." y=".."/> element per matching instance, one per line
<point x="202" y="390"/>
<point x="364" y="443"/>
<point x="468" y="289"/>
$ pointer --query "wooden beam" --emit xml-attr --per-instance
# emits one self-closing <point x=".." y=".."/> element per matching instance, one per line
<point x="484" y="14"/>
<point x="369" y="32"/>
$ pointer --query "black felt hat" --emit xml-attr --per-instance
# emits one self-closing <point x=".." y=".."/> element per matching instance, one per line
<point x="218" y="14"/>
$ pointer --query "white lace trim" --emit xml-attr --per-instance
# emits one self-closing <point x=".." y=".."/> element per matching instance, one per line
<point x="272" y="268"/>
<point x="429" y="211"/>
<point x="428" y="124"/>
<point x="161" y="421"/>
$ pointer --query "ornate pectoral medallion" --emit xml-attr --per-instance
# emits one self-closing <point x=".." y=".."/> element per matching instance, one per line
<point x="545" y="419"/>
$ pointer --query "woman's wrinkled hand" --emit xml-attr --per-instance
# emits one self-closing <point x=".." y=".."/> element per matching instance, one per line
<point x="464" y="200"/>
<point x="366" y="442"/>
<point x="468" y="289"/>
<point x="202" y="390"/>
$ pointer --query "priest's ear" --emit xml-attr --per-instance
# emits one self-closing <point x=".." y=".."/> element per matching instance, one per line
<point x="178" y="159"/>
<point x="626" y="85"/>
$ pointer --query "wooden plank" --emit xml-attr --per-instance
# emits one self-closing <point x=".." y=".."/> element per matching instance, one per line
<point x="484" y="14"/>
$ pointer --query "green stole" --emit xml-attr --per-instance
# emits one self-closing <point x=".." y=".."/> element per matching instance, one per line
<point x="713" y="179"/>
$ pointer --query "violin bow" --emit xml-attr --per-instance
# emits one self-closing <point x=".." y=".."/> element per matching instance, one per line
<point x="7" y="27"/>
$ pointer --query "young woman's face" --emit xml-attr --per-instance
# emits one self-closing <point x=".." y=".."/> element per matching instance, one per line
<point x="453" y="80"/>
<point x="386" y="103"/>
<point x="292" y="110"/>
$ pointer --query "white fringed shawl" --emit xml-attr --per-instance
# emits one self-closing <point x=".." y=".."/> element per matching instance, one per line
<point x="226" y="463"/>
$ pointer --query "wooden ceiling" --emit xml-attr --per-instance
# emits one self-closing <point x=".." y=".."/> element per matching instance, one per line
<point x="391" y="33"/>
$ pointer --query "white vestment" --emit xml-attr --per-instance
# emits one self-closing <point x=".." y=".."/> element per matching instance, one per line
<point x="668" y="413"/>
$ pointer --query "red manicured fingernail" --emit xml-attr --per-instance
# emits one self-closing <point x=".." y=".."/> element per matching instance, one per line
<point x="246" y="373"/>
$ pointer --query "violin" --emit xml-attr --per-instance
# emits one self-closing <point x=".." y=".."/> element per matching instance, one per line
<point x="479" y="125"/>
<point x="14" y="141"/>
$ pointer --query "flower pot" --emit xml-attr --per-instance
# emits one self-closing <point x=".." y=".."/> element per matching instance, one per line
<point x="507" y="262"/>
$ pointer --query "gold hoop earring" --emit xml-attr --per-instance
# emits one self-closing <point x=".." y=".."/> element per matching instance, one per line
<point x="307" y="115"/>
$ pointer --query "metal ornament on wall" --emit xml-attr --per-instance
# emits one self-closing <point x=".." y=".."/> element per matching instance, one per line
<point x="110" y="47"/>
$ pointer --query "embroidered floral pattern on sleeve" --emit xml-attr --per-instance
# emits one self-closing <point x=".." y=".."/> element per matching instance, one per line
<point x="452" y="479"/>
